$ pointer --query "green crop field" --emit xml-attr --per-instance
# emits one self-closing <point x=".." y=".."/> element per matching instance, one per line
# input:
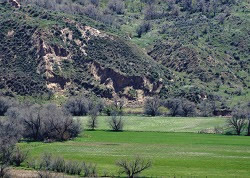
<point x="163" y="124"/>
<point x="172" y="154"/>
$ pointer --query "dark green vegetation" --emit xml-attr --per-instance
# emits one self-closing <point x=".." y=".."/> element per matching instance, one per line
<point x="192" y="49"/>
<point x="180" y="154"/>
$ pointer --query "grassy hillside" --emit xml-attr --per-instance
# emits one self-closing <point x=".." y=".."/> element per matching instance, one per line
<point x="173" y="154"/>
<point x="194" y="49"/>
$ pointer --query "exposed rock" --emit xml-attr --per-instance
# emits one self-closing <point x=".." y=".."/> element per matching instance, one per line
<point x="15" y="3"/>
<point x="10" y="33"/>
<point x="121" y="83"/>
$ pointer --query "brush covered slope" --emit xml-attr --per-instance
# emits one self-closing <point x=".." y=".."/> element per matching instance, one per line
<point x="44" y="52"/>
<point x="133" y="49"/>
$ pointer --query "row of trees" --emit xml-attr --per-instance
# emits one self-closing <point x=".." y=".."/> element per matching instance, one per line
<point x="82" y="106"/>
<point x="179" y="107"/>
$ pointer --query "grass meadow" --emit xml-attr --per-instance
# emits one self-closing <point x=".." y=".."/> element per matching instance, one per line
<point x="173" y="145"/>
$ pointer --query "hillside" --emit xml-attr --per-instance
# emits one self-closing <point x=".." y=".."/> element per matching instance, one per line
<point x="132" y="49"/>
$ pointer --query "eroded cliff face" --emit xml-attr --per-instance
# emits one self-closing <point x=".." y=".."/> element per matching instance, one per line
<point x="52" y="56"/>
<point x="42" y="51"/>
<point x="122" y="85"/>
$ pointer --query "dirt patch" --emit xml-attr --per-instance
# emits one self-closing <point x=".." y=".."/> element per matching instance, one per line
<point x="88" y="31"/>
<point x="10" y="33"/>
<point x="16" y="173"/>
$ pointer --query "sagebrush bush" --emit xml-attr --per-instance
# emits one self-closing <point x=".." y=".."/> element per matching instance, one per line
<point x="89" y="170"/>
<point x="18" y="156"/>
<point x="58" y="164"/>
<point x="46" y="160"/>
<point x="73" y="168"/>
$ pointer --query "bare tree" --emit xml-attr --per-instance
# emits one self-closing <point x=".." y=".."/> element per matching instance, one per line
<point x="44" y="122"/>
<point x="151" y="106"/>
<point x="9" y="136"/>
<point x="237" y="121"/>
<point x="57" y="124"/>
<point x="92" y="122"/>
<point x="181" y="107"/>
<point x="77" y="106"/>
<point x="133" y="168"/>
<point x="116" y="123"/>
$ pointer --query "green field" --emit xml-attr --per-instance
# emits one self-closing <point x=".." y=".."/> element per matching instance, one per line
<point x="172" y="154"/>
<point x="163" y="124"/>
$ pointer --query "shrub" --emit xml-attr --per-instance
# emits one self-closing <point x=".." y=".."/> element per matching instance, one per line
<point x="135" y="167"/>
<point x="18" y="156"/>
<point x="116" y="6"/>
<point x="95" y="2"/>
<point x="206" y="108"/>
<point x="116" y="123"/>
<point x="46" y="160"/>
<point x="150" y="13"/>
<point x="152" y="106"/>
<point x="77" y="106"/>
<point x="116" y="108"/>
<point x="73" y="168"/>
<point x="143" y="28"/>
<point x="58" y="164"/>
<point x="32" y="164"/>
<point x="5" y="104"/>
<point x="89" y="170"/>
<point x="91" y="11"/>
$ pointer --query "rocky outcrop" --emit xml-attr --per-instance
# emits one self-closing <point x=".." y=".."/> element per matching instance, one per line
<point x="119" y="83"/>
<point x="50" y="58"/>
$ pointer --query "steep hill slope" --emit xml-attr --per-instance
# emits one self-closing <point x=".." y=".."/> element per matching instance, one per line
<point x="173" y="48"/>
<point x="44" y="52"/>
